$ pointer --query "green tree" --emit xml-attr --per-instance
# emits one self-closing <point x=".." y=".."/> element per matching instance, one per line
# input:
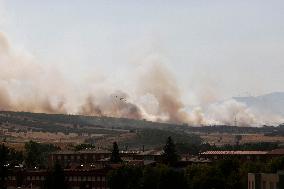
<point x="170" y="155"/>
<point x="171" y="178"/>
<point x="4" y="156"/>
<point x="151" y="177"/>
<point x="238" y="138"/>
<point x="275" y="164"/>
<point x="230" y="173"/>
<point x="33" y="154"/>
<point x="15" y="157"/>
<point x="36" y="154"/>
<point x="250" y="167"/>
<point x="204" y="177"/>
<point x="84" y="146"/>
<point x="115" y="157"/>
<point x="56" y="178"/>
<point x="125" y="178"/>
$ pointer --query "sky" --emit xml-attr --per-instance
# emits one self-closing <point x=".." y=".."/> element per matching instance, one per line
<point x="219" y="48"/>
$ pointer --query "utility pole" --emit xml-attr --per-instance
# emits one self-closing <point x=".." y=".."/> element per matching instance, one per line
<point x="236" y="121"/>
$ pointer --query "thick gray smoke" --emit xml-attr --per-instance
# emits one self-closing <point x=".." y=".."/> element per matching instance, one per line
<point x="26" y="85"/>
<point x="4" y="99"/>
<point x="159" y="82"/>
<point x="115" y="104"/>
<point x="231" y="112"/>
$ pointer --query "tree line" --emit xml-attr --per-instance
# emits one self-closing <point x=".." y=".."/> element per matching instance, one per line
<point x="223" y="174"/>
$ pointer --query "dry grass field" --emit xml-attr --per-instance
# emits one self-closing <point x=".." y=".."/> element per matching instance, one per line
<point x="225" y="138"/>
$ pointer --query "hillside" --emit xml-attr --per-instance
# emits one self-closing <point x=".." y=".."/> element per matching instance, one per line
<point x="272" y="103"/>
<point x="19" y="127"/>
<point x="106" y="125"/>
<point x="16" y="128"/>
<point x="73" y="123"/>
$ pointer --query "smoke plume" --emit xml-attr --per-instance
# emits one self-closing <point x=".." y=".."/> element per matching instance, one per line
<point x="116" y="104"/>
<point x="231" y="112"/>
<point x="4" y="99"/>
<point x="26" y="85"/>
<point x="159" y="82"/>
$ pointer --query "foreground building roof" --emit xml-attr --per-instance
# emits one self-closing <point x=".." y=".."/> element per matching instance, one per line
<point x="279" y="151"/>
<point x="234" y="152"/>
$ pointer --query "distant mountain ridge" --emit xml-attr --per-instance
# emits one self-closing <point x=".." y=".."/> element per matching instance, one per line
<point x="269" y="103"/>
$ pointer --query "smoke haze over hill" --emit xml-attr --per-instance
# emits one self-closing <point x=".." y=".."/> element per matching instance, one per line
<point x="26" y="85"/>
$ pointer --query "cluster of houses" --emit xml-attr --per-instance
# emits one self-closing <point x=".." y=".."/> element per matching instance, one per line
<point x="88" y="169"/>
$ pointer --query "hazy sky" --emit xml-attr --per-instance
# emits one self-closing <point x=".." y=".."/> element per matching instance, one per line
<point x="223" y="47"/>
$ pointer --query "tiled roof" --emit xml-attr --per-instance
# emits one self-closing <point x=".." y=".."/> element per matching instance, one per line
<point x="81" y="152"/>
<point x="277" y="152"/>
<point x="152" y="152"/>
<point x="234" y="152"/>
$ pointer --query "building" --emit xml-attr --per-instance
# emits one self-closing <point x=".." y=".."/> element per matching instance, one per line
<point x="86" y="169"/>
<point x="241" y="155"/>
<point x="244" y="155"/>
<point x="266" y="180"/>
<point x="75" y="179"/>
<point x="78" y="159"/>
<point x="276" y="153"/>
<point x="98" y="158"/>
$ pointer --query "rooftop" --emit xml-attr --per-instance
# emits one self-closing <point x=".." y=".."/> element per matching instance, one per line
<point x="234" y="152"/>
<point x="69" y="152"/>
<point x="279" y="151"/>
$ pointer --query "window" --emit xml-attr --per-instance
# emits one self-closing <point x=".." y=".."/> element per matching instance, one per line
<point x="271" y="185"/>
<point x="263" y="185"/>
<point x="249" y="185"/>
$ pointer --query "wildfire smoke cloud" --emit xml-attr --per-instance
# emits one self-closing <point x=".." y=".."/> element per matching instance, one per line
<point x="26" y="85"/>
